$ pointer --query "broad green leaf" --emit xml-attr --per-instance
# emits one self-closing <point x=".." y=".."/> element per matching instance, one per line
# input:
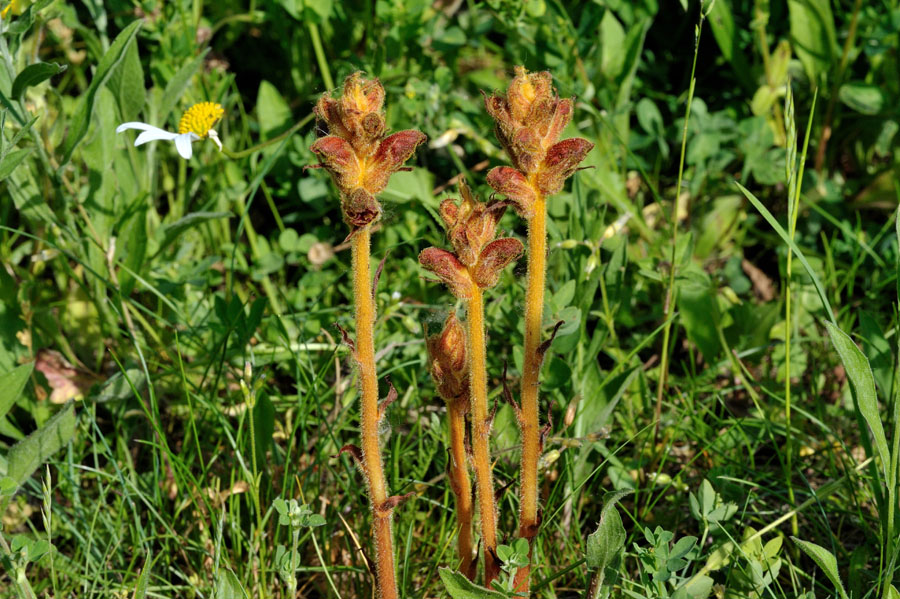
<point x="612" y="39"/>
<point x="81" y="120"/>
<point x="140" y="589"/>
<point x="605" y="543"/>
<point x="696" y="588"/>
<point x="460" y="587"/>
<point x="177" y="84"/>
<point x="28" y="454"/>
<point x="273" y="112"/>
<point x="11" y="161"/>
<point x="127" y="84"/>
<point x="860" y="374"/>
<point x="825" y="560"/>
<point x="862" y="97"/>
<point x="34" y="74"/>
<point x="697" y="307"/>
<point x="813" y="36"/>
<point x="790" y="242"/>
<point x="11" y="385"/>
<point x="229" y="587"/>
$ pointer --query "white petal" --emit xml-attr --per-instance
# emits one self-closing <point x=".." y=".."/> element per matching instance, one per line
<point x="153" y="135"/>
<point x="183" y="144"/>
<point x="135" y="125"/>
<point x="150" y="133"/>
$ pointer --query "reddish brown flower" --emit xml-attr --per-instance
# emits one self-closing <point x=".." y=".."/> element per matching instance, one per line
<point x="392" y="152"/>
<point x="561" y="162"/>
<point x="449" y="367"/>
<point x="513" y="184"/>
<point x="449" y="270"/>
<point x="496" y="256"/>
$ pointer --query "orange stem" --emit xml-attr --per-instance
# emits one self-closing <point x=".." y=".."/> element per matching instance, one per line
<point x="481" y="432"/>
<point x="530" y="418"/>
<point x="461" y="485"/>
<point x="371" y="452"/>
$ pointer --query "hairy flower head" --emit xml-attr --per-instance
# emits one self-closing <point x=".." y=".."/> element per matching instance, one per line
<point x="358" y="153"/>
<point x="529" y="120"/>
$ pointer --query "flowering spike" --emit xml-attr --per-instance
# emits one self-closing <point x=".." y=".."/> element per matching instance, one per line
<point x="496" y="256"/>
<point x="359" y="157"/>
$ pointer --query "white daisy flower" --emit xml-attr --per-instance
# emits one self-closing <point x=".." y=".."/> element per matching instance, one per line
<point x="195" y="124"/>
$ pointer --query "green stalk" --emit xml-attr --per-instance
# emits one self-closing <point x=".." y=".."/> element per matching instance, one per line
<point x="320" y="55"/>
<point x="671" y="291"/>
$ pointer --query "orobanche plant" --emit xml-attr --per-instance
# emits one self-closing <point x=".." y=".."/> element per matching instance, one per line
<point x="529" y="121"/>
<point x="474" y="266"/>
<point x="361" y="159"/>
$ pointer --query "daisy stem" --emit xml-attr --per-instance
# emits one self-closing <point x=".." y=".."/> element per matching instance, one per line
<point x="268" y="142"/>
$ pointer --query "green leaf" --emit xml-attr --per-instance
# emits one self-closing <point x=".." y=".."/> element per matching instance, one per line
<point x="229" y="587"/>
<point x="127" y="84"/>
<point x="860" y="374"/>
<point x="460" y="587"/>
<point x="273" y="112"/>
<point x="11" y="161"/>
<point x="81" y="120"/>
<point x="790" y="242"/>
<point x="862" y="97"/>
<point x="813" y="36"/>
<point x="11" y="385"/>
<point x="316" y="520"/>
<point x="140" y="589"/>
<point x="825" y="560"/>
<point x="28" y="454"/>
<point x="605" y="543"/>
<point x="34" y="74"/>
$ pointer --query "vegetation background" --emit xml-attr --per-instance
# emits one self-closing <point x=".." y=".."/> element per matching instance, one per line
<point x="140" y="284"/>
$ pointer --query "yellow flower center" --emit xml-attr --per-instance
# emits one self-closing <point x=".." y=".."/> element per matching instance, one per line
<point x="200" y="118"/>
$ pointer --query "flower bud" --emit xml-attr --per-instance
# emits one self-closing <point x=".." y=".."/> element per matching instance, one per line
<point x="449" y="367"/>
<point x="360" y="208"/>
<point x="392" y="152"/>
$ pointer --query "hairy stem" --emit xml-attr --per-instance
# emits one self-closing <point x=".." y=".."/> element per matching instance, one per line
<point x="461" y="485"/>
<point x="371" y="453"/>
<point x="530" y="419"/>
<point x="481" y="431"/>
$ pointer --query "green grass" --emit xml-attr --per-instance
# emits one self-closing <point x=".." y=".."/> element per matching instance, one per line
<point x="160" y="279"/>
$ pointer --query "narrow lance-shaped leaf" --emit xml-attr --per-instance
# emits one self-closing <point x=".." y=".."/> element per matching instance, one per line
<point x="35" y="449"/>
<point x="860" y="374"/>
<point x="81" y="120"/>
